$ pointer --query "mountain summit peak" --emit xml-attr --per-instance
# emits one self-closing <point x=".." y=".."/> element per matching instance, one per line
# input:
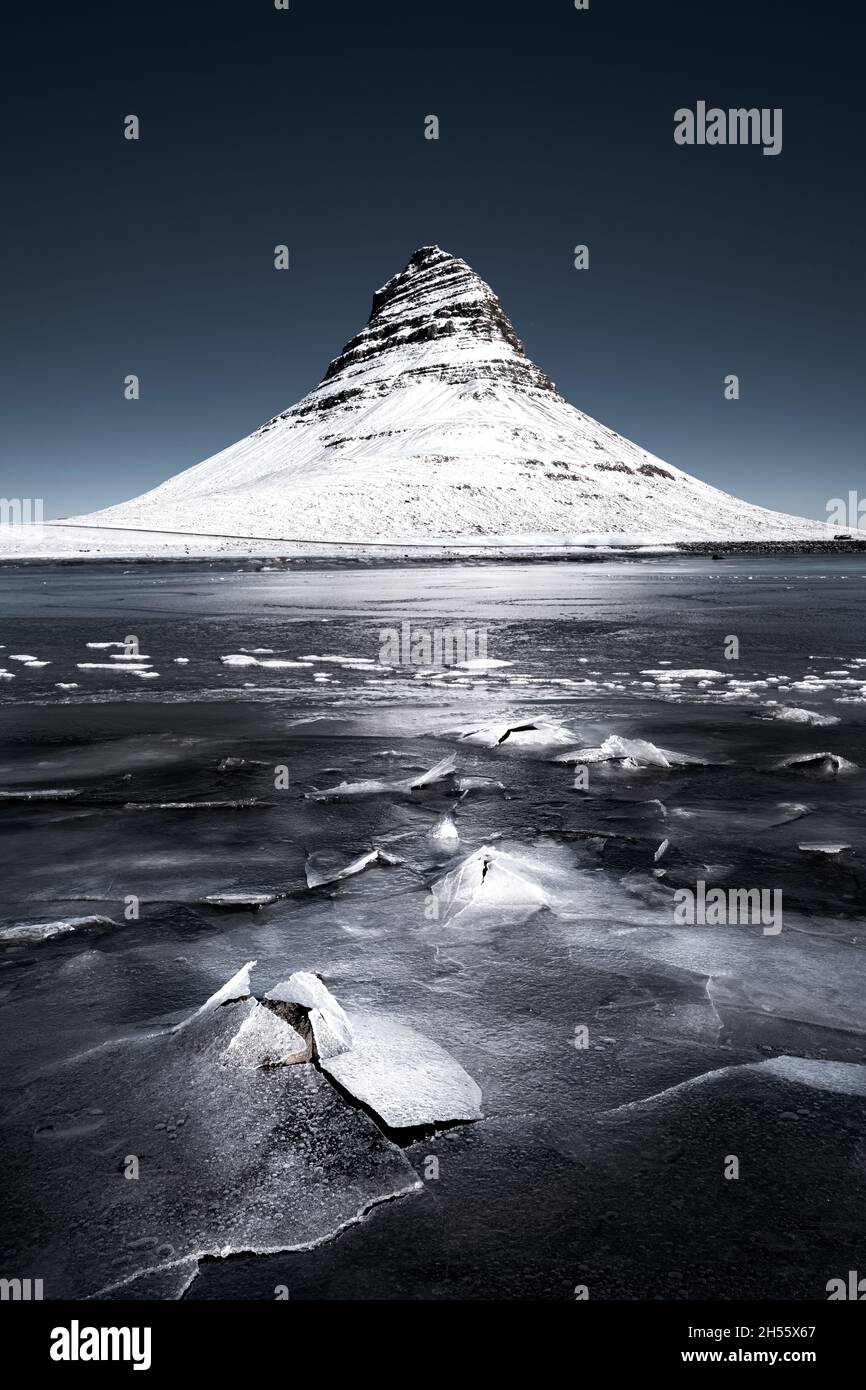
<point x="438" y="310"/>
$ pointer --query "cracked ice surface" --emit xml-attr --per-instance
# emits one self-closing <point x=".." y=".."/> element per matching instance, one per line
<point x="230" y="1160"/>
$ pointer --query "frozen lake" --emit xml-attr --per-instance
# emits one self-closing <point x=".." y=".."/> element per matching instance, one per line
<point x="173" y="734"/>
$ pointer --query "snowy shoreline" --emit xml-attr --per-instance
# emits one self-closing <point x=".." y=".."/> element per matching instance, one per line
<point x="491" y="553"/>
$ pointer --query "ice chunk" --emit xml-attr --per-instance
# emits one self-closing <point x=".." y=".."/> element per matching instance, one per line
<point x="793" y="810"/>
<point x="241" y="659"/>
<point x="443" y="771"/>
<point x="445" y="831"/>
<point x="238" y="987"/>
<point x="331" y="1032"/>
<point x="49" y="931"/>
<point x="490" y="880"/>
<point x="630" y="752"/>
<point x="691" y="673"/>
<point x="825" y="766"/>
<point x="790" y="714"/>
<point x="238" y="900"/>
<point x="479" y="784"/>
<point x="528" y="734"/>
<point x="440" y="772"/>
<point x="311" y="992"/>
<point x="814" y="847"/>
<point x="327" y="866"/>
<point x="331" y="1028"/>
<point x="264" y="1039"/>
<point x="405" y="1078"/>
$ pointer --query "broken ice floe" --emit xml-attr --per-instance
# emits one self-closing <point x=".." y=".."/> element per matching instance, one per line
<point x="445" y="832"/>
<point x="50" y="931"/>
<point x="790" y="714"/>
<point x="238" y="987"/>
<point x="329" y="866"/>
<point x="404" y="1077"/>
<point x="495" y="881"/>
<point x="630" y="753"/>
<point x="407" y="1079"/>
<point x="530" y="734"/>
<point x="692" y="673"/>
<point x="442" y="773"/>
<point x="244" y="659"/>
<point x="825" y="848"/>
<point x="825" y="766"/>
<point x="240" y="900"/>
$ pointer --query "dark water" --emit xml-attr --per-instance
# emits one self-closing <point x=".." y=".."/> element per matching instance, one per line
<point x="601" y="1165"/>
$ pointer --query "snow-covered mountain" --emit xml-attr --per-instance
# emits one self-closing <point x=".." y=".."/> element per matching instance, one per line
<point x="433" y="423"/>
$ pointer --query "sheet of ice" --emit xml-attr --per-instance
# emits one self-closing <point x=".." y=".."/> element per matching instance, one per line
<point x="405" y="1078"/>
<point x="840" y="1078"/>
<point x="231" y="1159"/>
<point x="845" y="1078"/>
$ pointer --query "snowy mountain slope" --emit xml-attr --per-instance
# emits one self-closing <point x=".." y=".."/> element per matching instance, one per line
<point x="432" y="423"/>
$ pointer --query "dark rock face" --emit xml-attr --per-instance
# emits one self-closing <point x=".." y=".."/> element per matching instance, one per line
<point x="437" y="297"/>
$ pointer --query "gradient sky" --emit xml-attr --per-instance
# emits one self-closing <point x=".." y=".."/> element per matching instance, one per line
<point x="306" y="127"/>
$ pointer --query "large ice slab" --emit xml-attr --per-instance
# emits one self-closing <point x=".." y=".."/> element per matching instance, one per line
<point x="405" y="1078"/>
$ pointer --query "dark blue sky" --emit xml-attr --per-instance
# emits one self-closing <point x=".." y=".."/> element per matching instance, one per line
<point x="306" y="127"/>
